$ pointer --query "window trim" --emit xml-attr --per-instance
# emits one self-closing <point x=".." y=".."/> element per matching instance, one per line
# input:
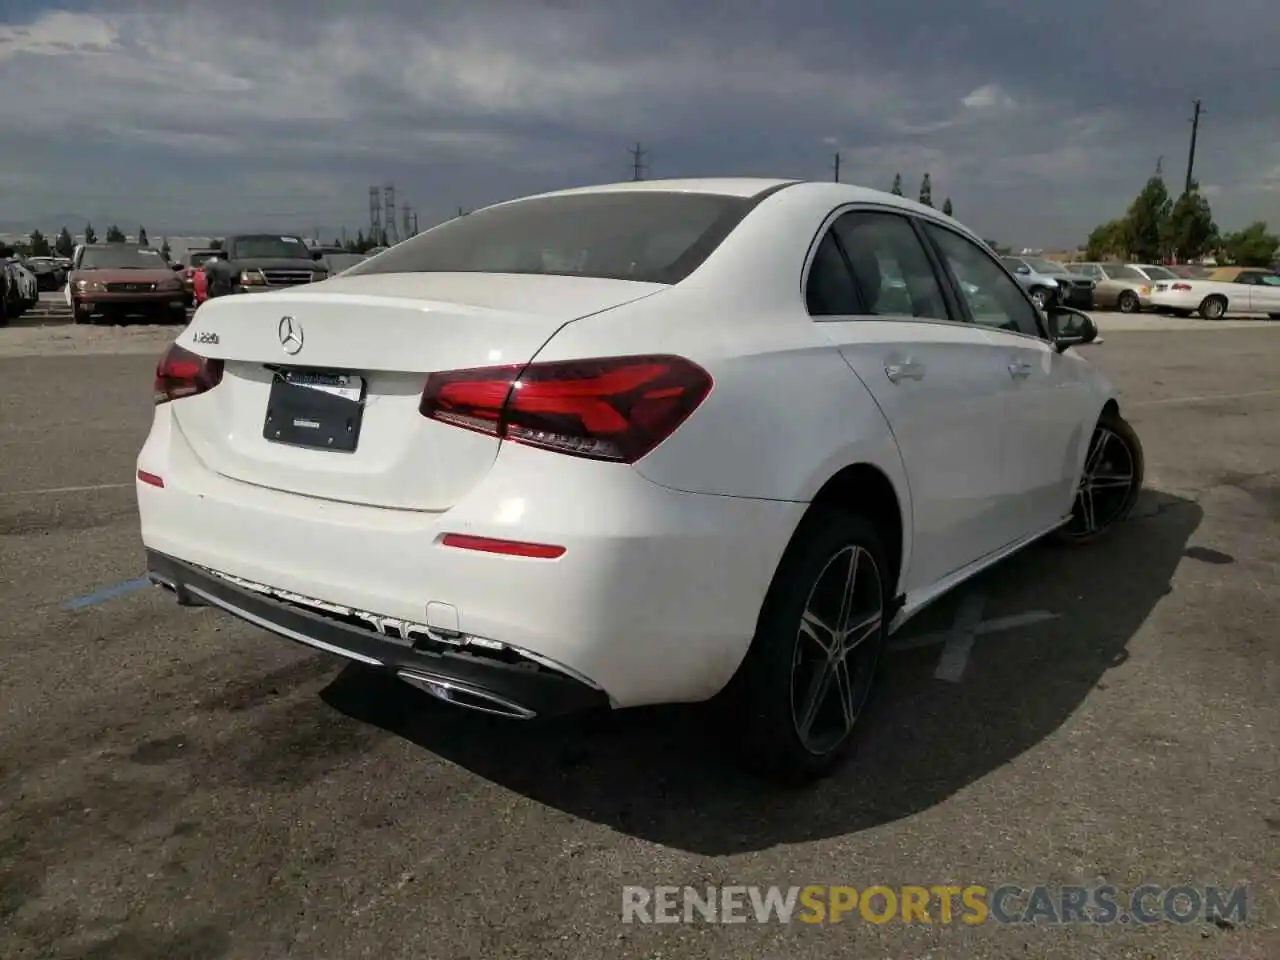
<point x="955" y="316"/>
<point x="1042" y="336"/>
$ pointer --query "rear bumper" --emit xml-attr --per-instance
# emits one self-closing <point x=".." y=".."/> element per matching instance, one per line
<point x="654" y="600"/>
<point x="1076" y="297"/>
<point x="517" y="691"/>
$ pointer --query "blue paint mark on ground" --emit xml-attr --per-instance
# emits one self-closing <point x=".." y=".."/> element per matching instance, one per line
<point x="107" y="593"/>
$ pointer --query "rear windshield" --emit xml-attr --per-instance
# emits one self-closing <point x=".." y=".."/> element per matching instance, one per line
<point x="647" y="236"/>
<point x="1160" y="273"/>
<point x="266" y="247"/>
<point x="111" y="257"/>
<point x="1122" y="273"/>
<point x="1046" y="266"/>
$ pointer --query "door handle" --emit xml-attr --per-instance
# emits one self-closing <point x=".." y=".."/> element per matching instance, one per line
<point x="904" y="371"/>
<point x="1019" y="369"/>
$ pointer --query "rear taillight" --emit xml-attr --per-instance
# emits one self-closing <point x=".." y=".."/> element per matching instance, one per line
<point x="618" y="408"/>
<point x="1181" y="286"/>
<point x="181" y="373"/>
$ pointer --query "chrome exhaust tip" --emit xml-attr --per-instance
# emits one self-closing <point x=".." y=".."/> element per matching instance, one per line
<point x="466" y="697"/>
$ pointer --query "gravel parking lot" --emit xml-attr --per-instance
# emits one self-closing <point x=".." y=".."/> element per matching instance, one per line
<point x="175" y="784"/>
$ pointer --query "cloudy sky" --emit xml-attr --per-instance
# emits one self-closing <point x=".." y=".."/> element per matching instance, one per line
<point x="1039" y="119"/>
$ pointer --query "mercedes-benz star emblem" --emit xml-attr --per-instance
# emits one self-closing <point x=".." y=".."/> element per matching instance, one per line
<point x="290" y="333"/>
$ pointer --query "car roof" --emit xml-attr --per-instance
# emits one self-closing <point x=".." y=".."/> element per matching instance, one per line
<point x="1227" y="274"/>
<point x="747" y="188"/>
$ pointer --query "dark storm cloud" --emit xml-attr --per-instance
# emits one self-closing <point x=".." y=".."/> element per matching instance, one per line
<point x="1039" y="120"/>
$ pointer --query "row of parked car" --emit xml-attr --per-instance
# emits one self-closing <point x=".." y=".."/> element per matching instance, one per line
<point x="1211" y="292"/>
<point x="117" y="282"/>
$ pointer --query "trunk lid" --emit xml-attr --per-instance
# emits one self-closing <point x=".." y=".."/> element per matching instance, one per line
<point x="391" y="331"/>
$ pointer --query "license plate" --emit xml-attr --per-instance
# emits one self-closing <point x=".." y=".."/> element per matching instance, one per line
<point x="312" y="408"/>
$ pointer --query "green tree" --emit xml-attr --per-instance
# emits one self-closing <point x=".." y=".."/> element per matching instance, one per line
<point x="1190" y="232"/>
<point x="1254" y="246"/>
<point x="1107" y="240"/>
<point x="142" y="237"/>
<point x="897" y="185"/>
<point x="115" y="234"/>
<point x="215" y="244"/>
<point x="164" y="247"/>
<point x="1145" y="222"/>
<point x="39" y="246"/>
<point x="89" y="235"/>
<point x="946" y="207"/>
<point x="926" y="191"/>
<point x="64" y="245"/>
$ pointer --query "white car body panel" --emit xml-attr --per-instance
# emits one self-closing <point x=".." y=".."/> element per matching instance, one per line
<point x="666" y="561"/>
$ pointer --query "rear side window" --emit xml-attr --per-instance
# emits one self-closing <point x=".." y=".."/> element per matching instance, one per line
<point x="647" y="236"/>
<point x="830" y="291"/>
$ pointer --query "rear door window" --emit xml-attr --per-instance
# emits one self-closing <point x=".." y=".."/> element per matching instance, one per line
<point x="893" y="272"/>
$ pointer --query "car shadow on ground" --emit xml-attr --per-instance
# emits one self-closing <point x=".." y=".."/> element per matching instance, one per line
<point x="665" y="774"/>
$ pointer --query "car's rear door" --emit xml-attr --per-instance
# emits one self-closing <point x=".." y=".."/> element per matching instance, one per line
<point x="1046" y="408"/>
<point x="878" y="297"/>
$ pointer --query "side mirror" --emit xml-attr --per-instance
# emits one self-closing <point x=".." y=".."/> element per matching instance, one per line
<point x="1024" y="270"/>
<point x="1070" y="328"/>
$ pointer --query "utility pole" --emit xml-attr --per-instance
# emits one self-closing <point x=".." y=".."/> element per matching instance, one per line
<point x="638" y="165"/>
<point x="1191" y="156"/>
<point x="836" y="167"/>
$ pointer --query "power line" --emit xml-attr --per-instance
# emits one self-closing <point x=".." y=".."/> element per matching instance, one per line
<point x="638" y="165"/>
<point x="1191" y="155"/>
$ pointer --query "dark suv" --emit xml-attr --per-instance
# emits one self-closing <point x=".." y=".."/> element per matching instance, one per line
<point x="259" y="262"/>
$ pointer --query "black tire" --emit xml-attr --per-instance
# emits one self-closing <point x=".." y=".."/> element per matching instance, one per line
<point x="1213" y="307"/>
<point x="79" y="314"/>
<point x="1129" y="302"/>
<point x="784" y="653"/>
<point x="1041" y="297"/>
<point x="1121" y="453"/>
<point x="1273" y="316"/>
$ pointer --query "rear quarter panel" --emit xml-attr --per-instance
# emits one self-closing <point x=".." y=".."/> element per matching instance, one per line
<point x="784" y="416"/>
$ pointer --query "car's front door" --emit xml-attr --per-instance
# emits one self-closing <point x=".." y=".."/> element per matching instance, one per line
<point x="1046" y="403"/>
<point x="936" y="379"/>
<point x="1267" y="294"/>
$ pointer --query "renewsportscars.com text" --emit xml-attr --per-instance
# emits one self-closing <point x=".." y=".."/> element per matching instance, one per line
<point x="935" y="904"/>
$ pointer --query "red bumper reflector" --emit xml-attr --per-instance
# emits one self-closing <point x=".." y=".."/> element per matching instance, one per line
<point x="151" y="479"/>
<point x="509" y="548"/>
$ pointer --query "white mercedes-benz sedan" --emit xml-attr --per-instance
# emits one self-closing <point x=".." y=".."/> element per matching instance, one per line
<point x="632" y="444"/>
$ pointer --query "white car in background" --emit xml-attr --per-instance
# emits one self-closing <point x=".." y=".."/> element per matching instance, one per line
<point x="632" y="444"/>
<point x="1152" y="273"/>
<point x="1224" y="290"/>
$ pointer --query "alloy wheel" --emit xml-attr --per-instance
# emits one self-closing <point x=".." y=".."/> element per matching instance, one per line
<point x="1106" y="484"/>
<point x="836" y="650"/>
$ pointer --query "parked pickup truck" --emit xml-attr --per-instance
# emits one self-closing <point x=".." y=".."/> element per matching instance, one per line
<point x="260" y="262"/>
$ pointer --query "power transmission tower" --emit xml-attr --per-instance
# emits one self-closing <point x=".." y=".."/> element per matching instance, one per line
<point x="836" y="167"/>
<point x="415" y="223"/>
<point x="389" y="236"/>
<point x="638" y="165"/>
<point x="375" y="215"/>
<point x="1191" y="155"/>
